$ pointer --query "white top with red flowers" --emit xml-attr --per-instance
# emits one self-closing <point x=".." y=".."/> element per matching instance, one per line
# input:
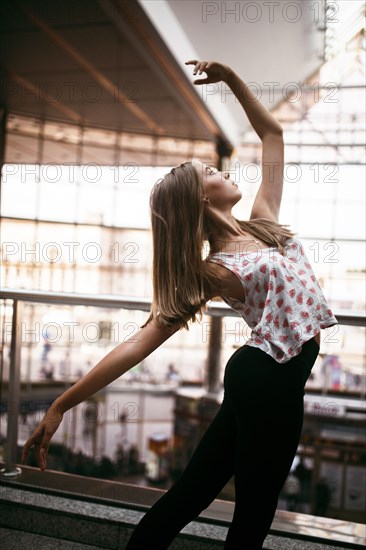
<point x="284" y="303"/>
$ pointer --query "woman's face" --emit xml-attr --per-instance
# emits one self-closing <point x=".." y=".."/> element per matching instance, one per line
<point x="219" y="188"/>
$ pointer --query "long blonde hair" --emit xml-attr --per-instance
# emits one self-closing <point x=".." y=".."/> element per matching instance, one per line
<point x="181" y="225"/>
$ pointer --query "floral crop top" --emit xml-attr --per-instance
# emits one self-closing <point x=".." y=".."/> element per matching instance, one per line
<point x="284" y="303"/>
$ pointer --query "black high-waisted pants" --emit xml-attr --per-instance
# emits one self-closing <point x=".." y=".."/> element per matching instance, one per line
<point x="253" y="436"/>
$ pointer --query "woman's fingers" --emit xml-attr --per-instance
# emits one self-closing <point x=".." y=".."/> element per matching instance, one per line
<point x="45" y="445"/>
<point x="200" y="66"/>
<point x="41" y="454"/>
<point x="215" y="71"/>
<point x="35" y="439"/>
<point x="25" y="452"/>
<point x="194" y="62"/>
<point x="40" y="451"/>
<point x="27" y="445"/>
<point x="42" y="435"/>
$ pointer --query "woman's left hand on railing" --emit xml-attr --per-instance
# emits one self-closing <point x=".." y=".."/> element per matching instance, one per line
<point x="42" y="435"/>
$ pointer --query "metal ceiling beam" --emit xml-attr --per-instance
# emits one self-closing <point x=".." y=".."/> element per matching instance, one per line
<point x="134" y="24"/>
<point x="97" y="75"/>
<point x="36" y="89"/>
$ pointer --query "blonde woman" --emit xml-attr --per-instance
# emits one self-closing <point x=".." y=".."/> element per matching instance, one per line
<point x="260" y="269"/>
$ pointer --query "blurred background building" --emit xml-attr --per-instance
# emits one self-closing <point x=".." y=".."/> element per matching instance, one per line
<point x="96" y="104"/>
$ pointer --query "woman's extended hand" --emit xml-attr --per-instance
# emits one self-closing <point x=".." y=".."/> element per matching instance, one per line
<point x="215" y="71"/>
<point x="41" y="436"/>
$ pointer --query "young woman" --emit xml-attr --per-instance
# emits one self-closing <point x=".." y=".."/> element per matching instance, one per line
<point x="255" y="434"/>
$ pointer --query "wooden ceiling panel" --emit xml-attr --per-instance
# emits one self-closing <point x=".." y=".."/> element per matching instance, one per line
<point x="94" y="63"/>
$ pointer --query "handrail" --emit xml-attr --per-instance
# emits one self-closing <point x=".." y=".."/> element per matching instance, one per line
<point x="217" y="309"/>
<point x="20" y="296"/>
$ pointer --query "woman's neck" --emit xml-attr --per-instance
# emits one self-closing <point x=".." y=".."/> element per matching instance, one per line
<point x="232" y="242"/>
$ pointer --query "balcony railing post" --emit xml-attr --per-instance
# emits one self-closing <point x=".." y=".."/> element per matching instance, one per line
<point x="214" y="356"/>
<point x="11" y="445"/>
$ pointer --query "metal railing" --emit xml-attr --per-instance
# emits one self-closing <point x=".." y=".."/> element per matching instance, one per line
<point x="19" y="297"/>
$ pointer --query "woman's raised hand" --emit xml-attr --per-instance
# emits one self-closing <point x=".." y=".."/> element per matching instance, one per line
<point x="215" y="71"/>
<point x="41" y="436"/>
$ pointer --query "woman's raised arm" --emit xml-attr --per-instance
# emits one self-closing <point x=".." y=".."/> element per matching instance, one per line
<point x="261" y="119"/>
<point x="118" y="361"/>
<point x="267" y="202"/>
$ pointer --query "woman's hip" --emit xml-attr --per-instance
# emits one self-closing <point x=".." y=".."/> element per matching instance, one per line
<point x="256" y="371"/>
